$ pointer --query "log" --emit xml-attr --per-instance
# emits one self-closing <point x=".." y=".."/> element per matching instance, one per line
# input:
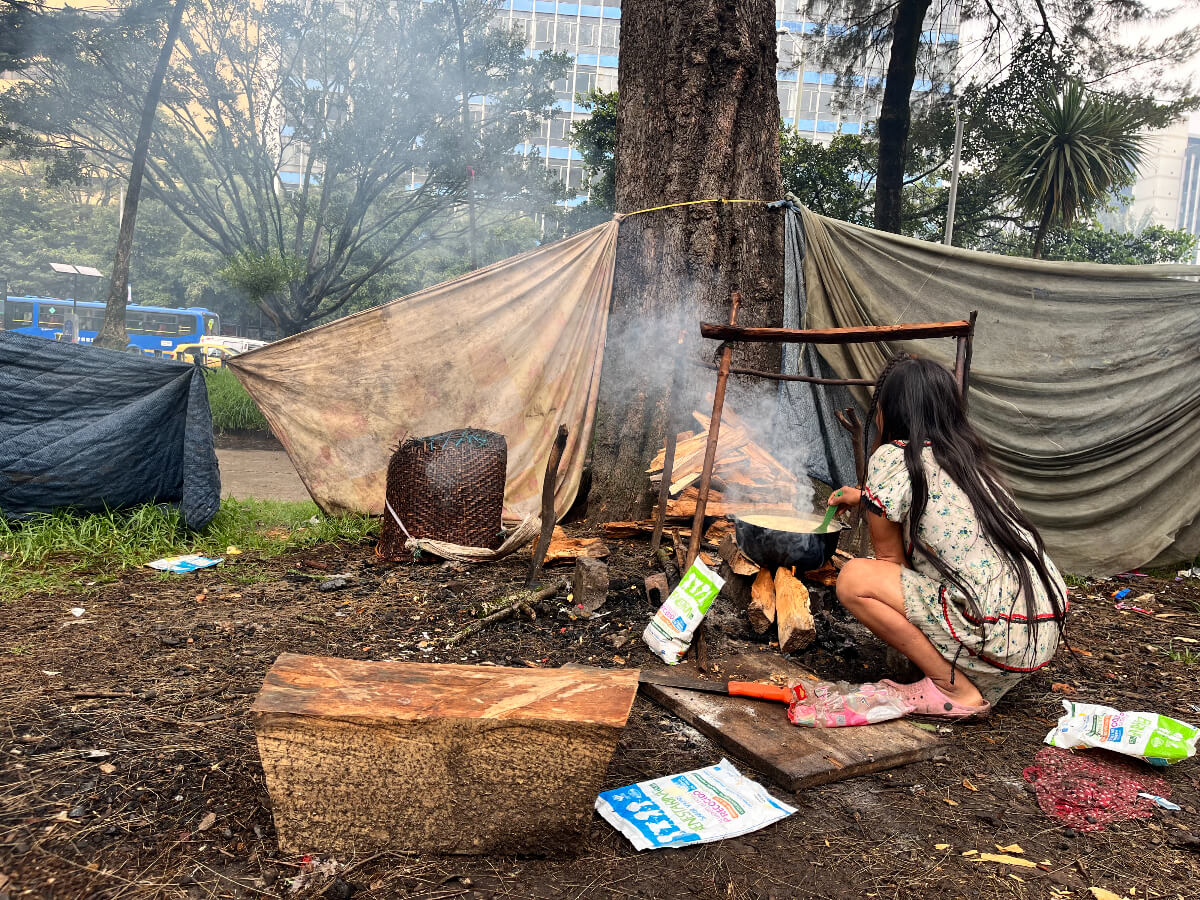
<point x="867" y="334"/>
<point x="792" y="614"/>
<point x="564" y="549"/>
<point x="589" y="584"/>
<point x="761" y="611"/>
<point x="738" y="561"/>
<point x="416" y="757"/>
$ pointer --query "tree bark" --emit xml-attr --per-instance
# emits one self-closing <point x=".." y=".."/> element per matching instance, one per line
<point x="895" y="116"/>
<point x="112" y="333"/>
<point x="697" y="119"/>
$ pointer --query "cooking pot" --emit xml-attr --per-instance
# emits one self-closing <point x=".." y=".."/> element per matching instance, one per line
<point x="774" y="541"/>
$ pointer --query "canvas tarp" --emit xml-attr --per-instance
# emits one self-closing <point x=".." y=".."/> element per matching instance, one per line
<point x="514" y="348"/>
<point x="91" y="429"/>
<point x="1085" y="380"/>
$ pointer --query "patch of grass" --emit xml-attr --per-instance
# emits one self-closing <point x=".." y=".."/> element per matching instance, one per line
<point x="232" y="408"/>
<point x="68" y="550"/>
<point x="1185" y="656"/>
<point x="1075" y="581"/>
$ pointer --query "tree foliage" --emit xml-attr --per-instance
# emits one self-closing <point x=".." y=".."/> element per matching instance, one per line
<point x="1089" y="40"/>
<point x="1075" y="151"/>
<point x="361" y="103"/>
<point x="835" y="180"/>
<point x="1089" y="242"/>
<point x="596" y="140"/>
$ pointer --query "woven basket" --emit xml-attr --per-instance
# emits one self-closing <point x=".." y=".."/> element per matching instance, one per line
<point x="448" y="487"/>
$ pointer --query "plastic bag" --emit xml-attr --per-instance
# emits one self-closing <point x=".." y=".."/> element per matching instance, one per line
<point x="837" y="705"/>
<point x="669" y="633"/>
<point x="693" y="808"/>
<point x="1159" y="740"/>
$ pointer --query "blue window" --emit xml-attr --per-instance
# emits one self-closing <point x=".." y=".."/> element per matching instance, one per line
<point x="788" y="121"/>
<point x="607" y="62"/>
<point x="875" y="81"/>
<point x="929" y="37"/>
<point x="546" y="6"/>
<point x="836" y="30"/>
<point x="826" y="127"/>
<point x="786" y="75"/>
<point x="811" y="28"/>
<point x="806" y="124"/>
<point x="922" y="84"/>
<point x="522" y="5"/>
<point x="612" y="13"/>
<point x="812" y="77"/>
<point x="567" y="9"/>
<point x="851" y="128"/>
<point x="949" y="38"/>
<point x="563" y="153"/>
<point x="828" y="78"/>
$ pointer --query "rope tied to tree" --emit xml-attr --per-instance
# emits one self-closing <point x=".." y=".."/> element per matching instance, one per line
<point x="617" y="217"/>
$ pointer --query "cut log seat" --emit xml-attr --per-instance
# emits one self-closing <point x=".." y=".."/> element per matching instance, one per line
<point x="363" y="756"/>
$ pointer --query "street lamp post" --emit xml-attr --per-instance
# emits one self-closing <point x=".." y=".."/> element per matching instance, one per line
<point x="954" y="162"/>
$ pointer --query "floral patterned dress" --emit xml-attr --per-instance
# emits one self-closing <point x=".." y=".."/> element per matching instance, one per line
<point x="995" y="645"/>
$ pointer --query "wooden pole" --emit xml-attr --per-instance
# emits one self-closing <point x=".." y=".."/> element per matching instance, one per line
<point x="664" y="488"/>
<point x="965" y="381"/>
<point x="710" y="449"/>
<point x="548" y="517"/>
<point x="867" y="334"/>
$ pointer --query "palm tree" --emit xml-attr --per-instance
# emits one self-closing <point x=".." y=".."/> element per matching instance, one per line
<point x="1077" y="150"/>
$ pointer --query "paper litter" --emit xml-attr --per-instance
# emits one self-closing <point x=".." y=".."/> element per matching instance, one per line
<point x="695" y="807"/>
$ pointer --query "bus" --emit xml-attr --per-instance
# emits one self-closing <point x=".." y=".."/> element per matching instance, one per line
<point x="152" y="329"/>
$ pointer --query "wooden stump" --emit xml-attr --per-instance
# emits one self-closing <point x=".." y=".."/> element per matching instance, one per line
<point x="363" y="756"/>
<point x="589" y="584"/>
<point x="761" y="612"/>
<point x="796" y="627"/>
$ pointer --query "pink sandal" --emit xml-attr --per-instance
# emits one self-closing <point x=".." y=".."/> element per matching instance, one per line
<point x="927" y="699"/>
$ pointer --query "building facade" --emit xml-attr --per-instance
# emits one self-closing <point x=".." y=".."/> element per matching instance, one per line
<point x="808" y="96"/>
<point x="1189" y="191"/>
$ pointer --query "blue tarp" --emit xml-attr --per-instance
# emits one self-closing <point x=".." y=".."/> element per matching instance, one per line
<point x="91" y="429"/>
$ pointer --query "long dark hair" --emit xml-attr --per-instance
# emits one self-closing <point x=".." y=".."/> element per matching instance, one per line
<point x="921" y="405"/>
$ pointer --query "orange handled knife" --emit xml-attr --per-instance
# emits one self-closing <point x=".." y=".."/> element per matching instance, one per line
<point x="754" y="689"/>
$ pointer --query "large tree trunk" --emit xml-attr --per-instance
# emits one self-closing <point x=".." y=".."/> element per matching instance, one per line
<point x="112" y="333"/>
<point x="894" y="113"/>
<point x="697" y="119"/>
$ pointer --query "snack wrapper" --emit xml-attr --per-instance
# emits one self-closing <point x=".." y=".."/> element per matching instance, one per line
<point x="1159" y="740"/>
<point x="669" y="633"/>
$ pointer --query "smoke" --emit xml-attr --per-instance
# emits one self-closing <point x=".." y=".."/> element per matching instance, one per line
<point x="663" y="349"/>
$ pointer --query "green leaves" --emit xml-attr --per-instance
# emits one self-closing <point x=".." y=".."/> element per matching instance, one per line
<point x="262" y="274"/>
<point x="1076" y="150"/>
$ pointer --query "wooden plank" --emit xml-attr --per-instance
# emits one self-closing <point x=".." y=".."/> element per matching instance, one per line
<point x="792" y="614"/>
<point x="761" y="611"/>
<point x="565" y="549"/>
<point x="759" y="733"/>
<point x="362" y="756"/>
<point x="834" y="335"/>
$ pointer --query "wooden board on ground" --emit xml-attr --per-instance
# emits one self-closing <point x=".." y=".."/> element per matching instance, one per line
<point x="793" y="757"/>
<point x="363" y="756"/>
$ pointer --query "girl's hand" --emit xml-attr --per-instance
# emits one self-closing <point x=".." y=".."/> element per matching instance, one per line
<point x="845" y="497"/>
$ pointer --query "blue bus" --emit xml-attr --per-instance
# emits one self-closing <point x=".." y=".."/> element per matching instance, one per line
<point x="152" y="329"/>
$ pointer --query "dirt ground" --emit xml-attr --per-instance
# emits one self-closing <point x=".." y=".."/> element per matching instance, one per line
<point x="257" y="468"/>
<point x="132" y="772"/>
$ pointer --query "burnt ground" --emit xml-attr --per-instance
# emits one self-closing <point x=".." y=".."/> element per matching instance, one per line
<point x="131" y="769"/>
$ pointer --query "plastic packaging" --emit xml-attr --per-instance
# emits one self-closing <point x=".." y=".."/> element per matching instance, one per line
<point x="693" y="808"/>
<point x="1159" y="740"/>
<point x="840" y="704"/>
<point x="669" y="633"/>
<point x="181" y="565"/>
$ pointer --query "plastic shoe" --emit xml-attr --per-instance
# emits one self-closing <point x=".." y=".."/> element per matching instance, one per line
<point x="927" y="699"/>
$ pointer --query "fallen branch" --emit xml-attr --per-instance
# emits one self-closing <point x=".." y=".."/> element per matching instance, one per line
<point x="509" y="606"/>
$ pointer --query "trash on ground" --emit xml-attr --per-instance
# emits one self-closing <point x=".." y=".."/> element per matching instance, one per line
<point x="1193" y="572"/>
<point x="1159" y="740"/>
<point x="840" y="704"/>
<point x="1161" y="802"/>
<point x="695" y="807"/>
<point x="669" y="633"/>
<point x="332" y="584"/>
<point x="1087" y="791"/>
<point x="1004" y="858"/>
<point x="181" y="565"/>
<point x="77" y="611"/>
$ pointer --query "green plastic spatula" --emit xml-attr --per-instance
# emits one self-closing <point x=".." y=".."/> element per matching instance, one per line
<point x="829" y="514"/>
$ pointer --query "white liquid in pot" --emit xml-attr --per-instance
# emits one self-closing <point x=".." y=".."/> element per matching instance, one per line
<point x="799" y="524"/>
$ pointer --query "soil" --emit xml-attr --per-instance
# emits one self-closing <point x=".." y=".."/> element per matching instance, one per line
<point x="132" y="771"/>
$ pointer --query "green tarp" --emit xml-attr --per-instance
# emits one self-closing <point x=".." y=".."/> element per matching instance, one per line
<point x="1085" y="379"/>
